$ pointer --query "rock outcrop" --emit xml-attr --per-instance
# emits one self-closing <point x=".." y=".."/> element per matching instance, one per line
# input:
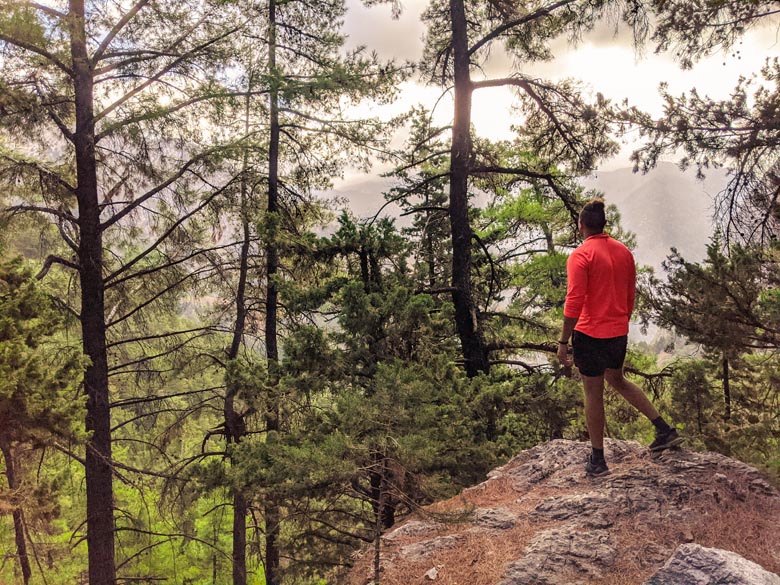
<point x="692" y="564"/>
<point x="538" y="520"/>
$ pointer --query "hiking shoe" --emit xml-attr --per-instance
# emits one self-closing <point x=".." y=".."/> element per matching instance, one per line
<point x="665" y="440"/>
<point x="594" y="468"/>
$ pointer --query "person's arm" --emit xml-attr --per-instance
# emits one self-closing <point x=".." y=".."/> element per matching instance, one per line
<point x="576" y="289"/>
<point x="631" y="287"/>
<point x="563" y="341"/>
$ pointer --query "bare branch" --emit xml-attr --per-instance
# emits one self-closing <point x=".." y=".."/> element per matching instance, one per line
<point x="137" y="401"/>
<point x="170" y="230"/>
<point x="527" y="367"/>
<point x="44" y="171"/>
<point x="37" y="208"/>
<point x="165" y="184"/>
<point x="160" y="336"/>
<point x="51" y="259"/>
<point x="156" y="296"/>
<point x="48" y="10"/>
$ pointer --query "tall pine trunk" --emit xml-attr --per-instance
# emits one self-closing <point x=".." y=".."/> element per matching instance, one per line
<point x="18" y="515"/>
<point x="234" y="425"/>
<point x="100" y="501"/>
<point x="726" y="387"/>
<point x="466" y="320"/>
<point x="271" y="512"/>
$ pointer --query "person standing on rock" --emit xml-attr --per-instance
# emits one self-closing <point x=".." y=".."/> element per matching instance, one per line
<point x="599" y="301"/>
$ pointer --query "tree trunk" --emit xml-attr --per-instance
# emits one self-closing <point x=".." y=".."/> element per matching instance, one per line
<point x="239" y="537"/>
<point x="466" y="320"/>
<point x="699" y="414"/>
<point x="100" y="500"/>
<point x="18" y="515"/>
<point x="234" y="424"/>
<point x="272" y="516"/>
<point x="726" y="387"/>
<point x="379" y="502"/>
<point x="428" y="239"/>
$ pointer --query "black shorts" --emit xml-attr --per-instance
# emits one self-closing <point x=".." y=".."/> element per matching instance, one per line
<point x="593" y="355"/>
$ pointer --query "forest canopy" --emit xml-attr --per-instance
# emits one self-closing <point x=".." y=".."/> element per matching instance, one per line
<point x="212" y="372"/>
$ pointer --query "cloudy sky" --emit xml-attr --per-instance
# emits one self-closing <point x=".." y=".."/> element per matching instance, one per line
<point x="604" y="62"/>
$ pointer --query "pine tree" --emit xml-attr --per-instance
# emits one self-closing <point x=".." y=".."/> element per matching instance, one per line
<point x="727" y="304"/>
<point x="564" y="131"/>
<point x="296" y="87"/>
<point x="40" y="376"/>
<point x="738" y="133"/>
<point x="104" y="134"/>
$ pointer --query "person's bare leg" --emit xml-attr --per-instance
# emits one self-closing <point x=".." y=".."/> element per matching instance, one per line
<point x="631" y="392"/>
<point x="594" y="409"/>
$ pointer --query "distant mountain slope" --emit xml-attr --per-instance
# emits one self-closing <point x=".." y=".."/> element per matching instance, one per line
<point x="665" y="208"/>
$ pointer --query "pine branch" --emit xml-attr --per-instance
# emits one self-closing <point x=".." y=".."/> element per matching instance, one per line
<point x="137" y="401"/>
<point x="160" y="187"/>
<point x="497" y="32"/>
<point x="527" y="367"/>
<point x="170" y="264"/>
<point x="169" y="231"/>
<point x="545" y="347"/>
<point x="157" y="295"/>
<point x="47" y="10"/>
<point x="38" y="51"/>
<point x="115" y="369"/>
<point x="157" y="76"/>
<point x="110" y="129"/>
<point x="160" y="336"/>
<point x="48" y="210"/>
<point x="173" y="535"/>
<point x="493" y="276"/>
<point x="66" y="238"/>
<point x="190" y="410"/>
<point x="117" y="28"/>
<point x="42" y="170"/>
<point x="420" y="208"/>
<point x="548" y="178"/>
<point x="405" y="192"/>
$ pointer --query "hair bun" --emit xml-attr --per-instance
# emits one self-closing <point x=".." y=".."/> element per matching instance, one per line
<point x="593" y="216"/>
<point x="596" y="205"/>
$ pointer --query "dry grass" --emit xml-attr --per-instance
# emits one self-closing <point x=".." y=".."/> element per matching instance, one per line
<point x="484" y="495"/>
<point x="480" y="560"/>
<point x="750" y="528"/>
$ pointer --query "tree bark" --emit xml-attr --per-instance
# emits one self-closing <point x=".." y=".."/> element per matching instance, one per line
<point x="271" y="508"/>
<point x="726" y="387"/>
<point x="474" y="349"/>
<point x="239" y="537"/>
<point x="100" y="500"/>
<point x="18" y="515"/>
<point x="234" y="424"/>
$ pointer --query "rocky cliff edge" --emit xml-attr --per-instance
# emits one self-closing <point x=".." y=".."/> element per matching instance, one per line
<point x="678" y="518"/>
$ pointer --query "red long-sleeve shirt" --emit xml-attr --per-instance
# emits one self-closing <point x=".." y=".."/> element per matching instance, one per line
<point x="601" y="287"/>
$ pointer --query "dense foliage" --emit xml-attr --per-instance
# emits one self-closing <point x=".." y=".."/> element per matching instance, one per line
<point x="211" y="375"/>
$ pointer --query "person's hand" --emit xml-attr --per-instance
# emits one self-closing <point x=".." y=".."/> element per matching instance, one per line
<point x="564" y="356"/>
